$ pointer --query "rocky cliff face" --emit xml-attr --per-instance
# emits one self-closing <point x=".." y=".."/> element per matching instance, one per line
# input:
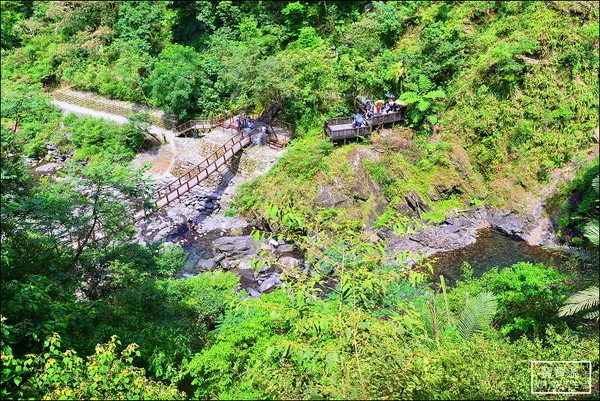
<point x="356" y="191"/>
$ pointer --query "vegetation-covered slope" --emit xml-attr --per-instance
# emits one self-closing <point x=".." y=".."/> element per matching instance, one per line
<point x="521" y="88"/>
<point x="500" y="93"/>
<point x="514" y="84"/>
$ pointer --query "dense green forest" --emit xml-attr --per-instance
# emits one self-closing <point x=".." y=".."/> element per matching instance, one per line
<point x="500" y="95"/>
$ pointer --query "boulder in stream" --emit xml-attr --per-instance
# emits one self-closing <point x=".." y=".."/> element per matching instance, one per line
<point x="236" y="247"/>
<point x="206" y="264"/>
<point x="268" y="284"/>
<point x="244" y="264"/>
<point x="286" y="248"/>
<point x="288" y="262"/>
<point x="47" y="167"/>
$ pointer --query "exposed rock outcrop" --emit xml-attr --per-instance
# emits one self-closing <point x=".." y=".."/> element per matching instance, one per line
<point x="330" y="197"/>
<point x="461" y="230"/>
<point x="357" y="193"/>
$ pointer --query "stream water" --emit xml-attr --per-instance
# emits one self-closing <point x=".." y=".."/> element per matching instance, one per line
<point x="490" y="250"/>
<point x="199" y="244"/>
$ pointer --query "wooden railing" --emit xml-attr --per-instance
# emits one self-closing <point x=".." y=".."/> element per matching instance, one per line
<point x="276" y="142"/>
<point x="211" y="122"/>
<point x="339" y="128"/>
<point x="200" y="172"/>
<point x="276" y="123"/>
<point x="339" y="120"/>
<point x="218" y="158"/>
<point x="202" y="123"/>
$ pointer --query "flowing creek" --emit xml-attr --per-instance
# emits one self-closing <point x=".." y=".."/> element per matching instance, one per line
<point x="490" y="250"/>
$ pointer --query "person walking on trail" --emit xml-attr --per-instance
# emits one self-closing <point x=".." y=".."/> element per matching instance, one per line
<point x="192" y="225"/>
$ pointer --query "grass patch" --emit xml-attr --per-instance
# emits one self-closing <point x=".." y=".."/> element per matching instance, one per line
<point x="434" y="215"/>
<point x="440" y="209"/>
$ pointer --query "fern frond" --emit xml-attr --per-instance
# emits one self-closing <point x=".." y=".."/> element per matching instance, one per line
<point x="581" y="254"/>
<point x="424" y="84"/>
<point x="477" y="314"/>
<point x="581" y="301"/>
<point x="423" y="105"/>
<point x="409" y="98"/>
<point x="591" y="232"/>
<point x="435" y="94"/>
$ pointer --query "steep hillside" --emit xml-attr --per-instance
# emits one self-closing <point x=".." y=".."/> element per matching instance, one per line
<point x="520" y="88"/>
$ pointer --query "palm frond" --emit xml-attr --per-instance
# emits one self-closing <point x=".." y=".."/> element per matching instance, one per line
<point x="595" y="183"/>
<point x="477" y="314"/>
<point x="583" y="300"/>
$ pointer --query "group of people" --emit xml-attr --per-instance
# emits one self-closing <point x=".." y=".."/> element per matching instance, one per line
<point x="373" y="108"/>
<point x="245" y="122"/>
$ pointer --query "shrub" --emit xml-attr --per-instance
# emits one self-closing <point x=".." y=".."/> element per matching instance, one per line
<point x="529" y="296"/>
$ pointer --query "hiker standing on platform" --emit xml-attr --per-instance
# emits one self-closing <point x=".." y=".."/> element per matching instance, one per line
<point x="359" y="119"/>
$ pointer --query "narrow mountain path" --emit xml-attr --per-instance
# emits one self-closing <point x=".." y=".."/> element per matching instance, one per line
<point x="163" y="159"/>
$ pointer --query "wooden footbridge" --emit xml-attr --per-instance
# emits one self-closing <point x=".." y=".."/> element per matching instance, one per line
<point x="201" y="171"/>
<point x="203" y="124"/>
<point x="172" y="191"/>
<point x="341" y="127"/>
<point x="280" y="134"/>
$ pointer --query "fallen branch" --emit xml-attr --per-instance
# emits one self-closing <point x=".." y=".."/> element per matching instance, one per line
<point x="530" y="60"/>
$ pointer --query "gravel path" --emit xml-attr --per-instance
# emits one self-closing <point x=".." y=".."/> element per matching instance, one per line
<point x="67" y="108"/>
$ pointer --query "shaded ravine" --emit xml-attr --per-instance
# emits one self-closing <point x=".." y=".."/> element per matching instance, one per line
<point x="487" y="249"/>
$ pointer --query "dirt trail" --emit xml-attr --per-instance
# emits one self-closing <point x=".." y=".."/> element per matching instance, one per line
<point x="162" y="159"/>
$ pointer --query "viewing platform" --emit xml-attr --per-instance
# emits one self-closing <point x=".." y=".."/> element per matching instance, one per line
<point x="341" y="127"/>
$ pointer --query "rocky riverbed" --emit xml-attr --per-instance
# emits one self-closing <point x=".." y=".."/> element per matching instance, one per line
<point x="222" y="240"/>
